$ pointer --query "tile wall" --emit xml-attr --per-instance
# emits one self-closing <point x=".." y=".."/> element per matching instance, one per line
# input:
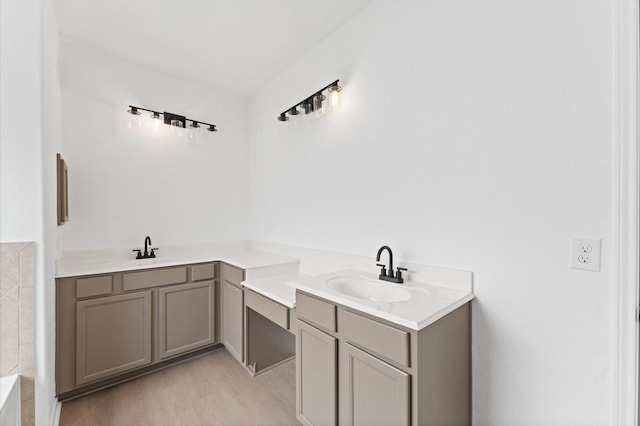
<point x="17" y="280"/>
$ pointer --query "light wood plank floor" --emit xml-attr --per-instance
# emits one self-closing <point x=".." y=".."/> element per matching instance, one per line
<point x="210" y="390"/>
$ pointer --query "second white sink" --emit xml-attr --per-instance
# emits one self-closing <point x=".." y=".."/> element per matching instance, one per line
<point x="368" y="289"/>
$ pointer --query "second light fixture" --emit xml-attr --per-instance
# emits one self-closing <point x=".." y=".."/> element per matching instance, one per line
<point x="314" y="102"/>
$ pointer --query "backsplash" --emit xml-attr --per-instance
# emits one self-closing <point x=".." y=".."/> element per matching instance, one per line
<point x="17" y="280"/>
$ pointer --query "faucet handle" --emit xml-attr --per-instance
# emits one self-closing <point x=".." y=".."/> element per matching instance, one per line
<point x="139" y="256"/>
<point x="152" y="251"/>
<point x="383" y="271"/>
<point x="399" y="273"/>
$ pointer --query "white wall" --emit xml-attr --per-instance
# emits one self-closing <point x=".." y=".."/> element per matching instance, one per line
<point x="476" y="136"/>
<point x="126" y="183"/>
<point x="20" y="176"/>
<point x="51" y="144"/>
<point x="29" y="139"/>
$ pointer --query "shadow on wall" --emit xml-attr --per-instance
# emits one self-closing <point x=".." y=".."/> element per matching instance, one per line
<point x="481" y="355"/>
<point x="17" y="280"/>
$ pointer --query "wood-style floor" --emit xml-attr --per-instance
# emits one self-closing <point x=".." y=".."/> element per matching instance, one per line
<point x="210" y="390"/>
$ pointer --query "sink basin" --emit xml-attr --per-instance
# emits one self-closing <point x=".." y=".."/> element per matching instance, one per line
<point x="368" y="289"/>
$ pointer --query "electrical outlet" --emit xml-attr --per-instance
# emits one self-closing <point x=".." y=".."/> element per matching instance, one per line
<point x="584" y="258"/>
<point x="585" y="248"/>
<point x="585" y="254"/>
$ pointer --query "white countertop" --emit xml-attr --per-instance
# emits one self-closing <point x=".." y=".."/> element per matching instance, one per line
<point x="114" y="260"/>
<point x="428" y="303"/>
<point x="275" y="276"/>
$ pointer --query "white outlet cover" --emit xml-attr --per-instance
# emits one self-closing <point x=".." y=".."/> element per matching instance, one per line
<point x="585" y="254"/>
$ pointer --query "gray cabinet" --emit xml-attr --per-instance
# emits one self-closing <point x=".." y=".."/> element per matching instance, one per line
<point x="186" y="318"/>
<point x="113" y="335"/>
<point x="231" y="311"/>
<point x="316" y="376"/>
<point x="384" y="374"/>
<point x="112" y="327"/>
<point x="372" y="391"/>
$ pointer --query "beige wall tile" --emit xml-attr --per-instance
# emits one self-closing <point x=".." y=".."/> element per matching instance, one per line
<point x="17" y="265"/>
<point x="27" y="258"/>
<point x="27" y="357"/>
<point x="27" y="314"/>
<point x="9" y="335"/>
<point x="28" y="412"/>
<point x="17" y="280"/>
<point x="9" y="267"/>
<point x="27" y="388"/>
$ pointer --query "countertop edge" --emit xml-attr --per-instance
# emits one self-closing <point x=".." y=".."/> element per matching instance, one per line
<point x="413" y="325"/>
<point x="269" y="295"/>
<point x="445" y="311"/>
<point x="67" y="271"/>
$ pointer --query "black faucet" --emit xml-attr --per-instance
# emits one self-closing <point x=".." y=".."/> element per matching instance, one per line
<point x="146" y="241"/>
<point x="146" y="255"/>
<point x="389" y="276"/>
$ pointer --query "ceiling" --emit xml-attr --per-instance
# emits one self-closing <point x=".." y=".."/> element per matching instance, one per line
<point x="236" y="44"/>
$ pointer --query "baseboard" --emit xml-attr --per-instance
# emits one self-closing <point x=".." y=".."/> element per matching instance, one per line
<point x="55" y="418"/>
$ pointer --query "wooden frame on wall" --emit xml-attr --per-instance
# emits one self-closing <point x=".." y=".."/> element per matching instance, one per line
<point x="63" y="193"/>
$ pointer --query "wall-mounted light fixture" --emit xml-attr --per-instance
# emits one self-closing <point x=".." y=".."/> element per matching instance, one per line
<point x="315" y="101"/>
<point x="171" y="119"/>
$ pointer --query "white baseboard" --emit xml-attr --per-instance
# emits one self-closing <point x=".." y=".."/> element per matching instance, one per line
<point x="55" y="418"/>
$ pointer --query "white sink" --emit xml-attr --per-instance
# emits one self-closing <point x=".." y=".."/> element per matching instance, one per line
<point x="368" y="289"/>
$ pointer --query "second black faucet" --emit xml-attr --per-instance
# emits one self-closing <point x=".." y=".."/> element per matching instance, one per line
<point x="389" y="276"/>
<point x="146" y="255"/>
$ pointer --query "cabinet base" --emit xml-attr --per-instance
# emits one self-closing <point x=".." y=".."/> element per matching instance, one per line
<point x="104" y="384"/>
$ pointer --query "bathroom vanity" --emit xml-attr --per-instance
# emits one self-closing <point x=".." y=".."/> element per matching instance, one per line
<point x="116" y="323"/>
<point x="353" y="368"/>
<point x="366" y="351"/>
<point x="112" y="326"/>
<point x="370" y="352"/>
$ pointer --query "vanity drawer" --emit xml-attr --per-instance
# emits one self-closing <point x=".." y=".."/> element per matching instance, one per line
<point x="317" y="311"/>
<point x="154" y="278"/>
<point x="385" y="340"/>
<point x="269" y="309"/>
<point x="232" y="274"/>
<point x="94" y="286"/>
<point x="205" y="271"/>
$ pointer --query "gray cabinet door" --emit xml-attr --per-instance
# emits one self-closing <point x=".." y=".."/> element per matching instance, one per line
<point x="113" y="335"/>
<point x="316" y="376"/>
<point x="372" y="392"/>
<point x="186" y="318"/>
<point x="231" y="306"/>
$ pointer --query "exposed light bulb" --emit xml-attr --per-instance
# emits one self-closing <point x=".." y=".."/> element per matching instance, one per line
<point x="133" y="111"/>
<point x="307" y="105"/>
<point x="319" y="104"/>
<point x="335" y="98"/>
<point x="334" y="94"/>
<point x="155" y="121"/>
